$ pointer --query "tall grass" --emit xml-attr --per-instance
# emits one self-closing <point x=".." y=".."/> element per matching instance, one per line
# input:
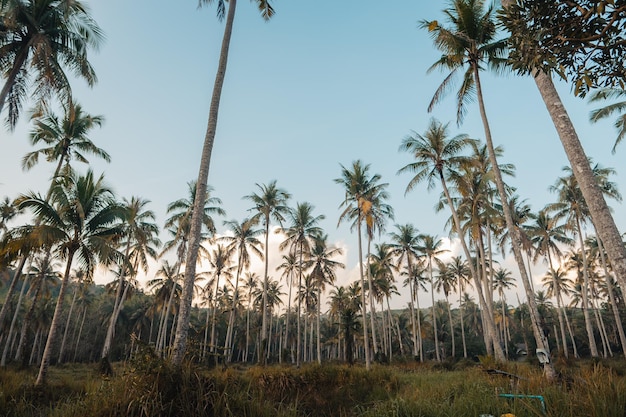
<point x="149" y="387"/>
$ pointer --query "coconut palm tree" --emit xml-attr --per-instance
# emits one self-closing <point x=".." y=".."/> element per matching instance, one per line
<point x="460" y="270"/>
<point x="405" y="246"/>
<point x="301" y="230"/>
<point x="250" y="283"/>
<point x="361" y="190"/>
<point x="468" y="45"/>
<point x="430" y="249"/>
<point x="600" y="212"/>
<point x="437" y="156"/>
<point x="243" y="241"/>
<point x="609" y="110"/>
<point x="557" y="284"/>
<point x="220" y="261"/>
<point x="64" y="139"/>
<point x="270" y="204"/>
<point x="184" y="316"/>
<point x="40" y="41"/>
<point x="502" y="281"/>
<point x="322" y="266"/>
<point x="289" y="267"/>
<point x="446" y="282"/>
<point x="546" y="234"/>
<point x="83" y="220"/>
<point x="139" y="242"/>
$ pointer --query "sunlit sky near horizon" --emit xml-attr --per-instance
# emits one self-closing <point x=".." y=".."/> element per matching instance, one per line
<point x="323" y="83"/>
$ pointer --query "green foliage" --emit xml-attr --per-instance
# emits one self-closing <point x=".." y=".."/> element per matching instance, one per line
<point x="581" y="40"/>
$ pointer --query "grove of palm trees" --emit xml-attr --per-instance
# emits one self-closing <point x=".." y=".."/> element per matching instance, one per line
<point x="383" y="216"/>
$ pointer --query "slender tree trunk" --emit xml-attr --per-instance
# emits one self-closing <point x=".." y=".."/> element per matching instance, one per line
<point x="560" y="312"/>
<point x="540" y="340"/>
<point x="489" y="326"/>
<point x="371" y="298"/>
<point x="319" y="313"/>
<point x="54" y="325"/>
<point x="17" y="274"/>
<point x="451" y="327"/>
<point x="432" y="297"/>
<point x="600" y="212"/>
<point x="411" y="309"/>
<point x="214" y="320"/>
<point x="364" y="306"/>
<point x="10" y="336"/>
<point x="299" y="331"/>
<point x="180" y="343"/>
<point x="418" y="314"/>
<point x="67" y="325"/>
<point x="461" y="320"/>
<point x="228" y="350"/>
<point x="80" y="332"/>
<point x="290" y="278"/>
<point x="585" y="293"/>
<point x="609" y="288"/>
<point x="262" y="355"/>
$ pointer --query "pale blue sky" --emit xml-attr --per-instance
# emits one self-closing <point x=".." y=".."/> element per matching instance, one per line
<point x="323" y="83"/>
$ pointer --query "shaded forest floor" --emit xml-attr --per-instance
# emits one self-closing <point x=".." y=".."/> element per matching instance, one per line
<point x="147" y="386"/>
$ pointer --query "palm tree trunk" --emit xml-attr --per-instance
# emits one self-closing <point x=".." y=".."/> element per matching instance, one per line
<point x="451" y="327"/>
<point x="461" y="320"/>
<point x="585" y="293"/>
<point x="67" y="325"/>
<point x="515" y="240"/>
<point x="489" y="326"/>
<point x="264" y="307"/>
<point x="214" y="320"/>
<point x="609" y="288"/>
<point x="228" y="351"/>
<point x="17" y="274"/>
<point x="319" y="313"/>
<point x="54" y="325"/>
<point x="364" y="307"/>
<point x="560" y="312"/>
<point x="180" y="343"/>
<point x="432" y="297"/>
<point x="10" y="336"/>
<point x="371" y="298"/>
<point x="80" y="332"/>
<point x="287" y="315"/>
<point x="600" y="212"/>
<point x="299" y="332"/>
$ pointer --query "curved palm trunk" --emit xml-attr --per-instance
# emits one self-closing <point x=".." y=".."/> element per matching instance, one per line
<point x="560" y="311"/>
<point x="54" y="325"/>
<point x="180" y="342"/>
<point x="364" y="307"/>
<point x="489" y="326"/>
<point x="515" y="240"/>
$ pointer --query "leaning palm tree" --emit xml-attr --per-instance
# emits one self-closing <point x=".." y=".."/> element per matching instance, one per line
<point x="82" y="219"/>
<point x="269" y="204"/>
<point x="40" y="40"/>
<point x="180" y="343"/>
<point x="600" y="212"/>
<point x="470" y="44"/>
<point x="301" y="230"/>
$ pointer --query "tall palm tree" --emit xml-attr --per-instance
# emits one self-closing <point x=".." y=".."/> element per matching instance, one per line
<point x="82" y="218"/>
<point x="446" y="282"/>
<point x="470" y="44"/>
<point x="289" y="267"/>
<point x="546" y="234"/>
<point x="430" y="249"/>
<point x="361" y="190"/>
<point x="323" y="266"/>
<point x="600" y="212"/>
<point x="250" y="283"/>
<point x="405" y="246"/>
<point x="40" y="41"/>
<point x="64" y="139"/>
<point x="301" y="230"/>
<point x="139" y="242"/>
<point x="220" y="261"/>
<point x="502" y="281"/>
<point x="243" y="241"/>
<point x="266" y="10"/>
<point x="438" y="157"/>
<point x="558" y="284"/>
<point x="269" y="204"/>
<point x="459" y="269"/>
